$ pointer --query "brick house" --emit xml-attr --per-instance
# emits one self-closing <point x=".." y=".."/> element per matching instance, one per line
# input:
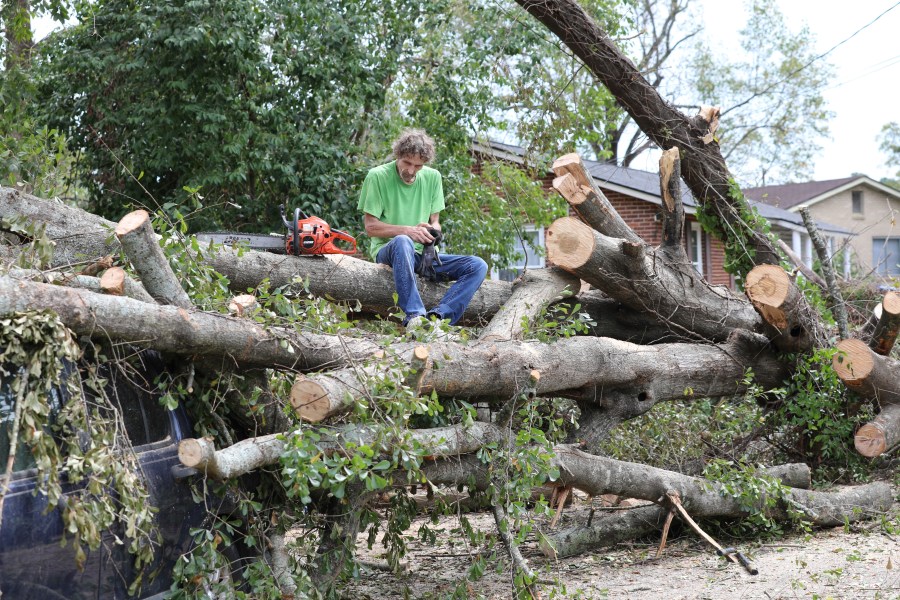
<point x="635" y="195"/>
<point x="866" y="207"/>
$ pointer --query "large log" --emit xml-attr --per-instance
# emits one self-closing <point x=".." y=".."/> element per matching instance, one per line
<point x="703" y="499"/>
<point x="343" y="279"/>
<point x="867" y="374"/>
<point x="644" y="280"/>
<point x="170" y="329"/>
<point x="135" y="233"/>
<point x="614" y="380"/>
<point x="130" y="287"/>
<point x="532" y="293"/>
<point x="781" y="304"/>
<point x="79" y="236"/>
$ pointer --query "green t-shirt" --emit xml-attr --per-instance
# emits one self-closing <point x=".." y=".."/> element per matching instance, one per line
<point x="389" y="199"/>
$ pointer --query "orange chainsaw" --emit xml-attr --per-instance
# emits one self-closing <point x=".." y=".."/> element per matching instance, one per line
<point x="306" y="236"/>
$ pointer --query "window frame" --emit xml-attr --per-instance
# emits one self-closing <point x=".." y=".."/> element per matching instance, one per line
<point x="879" y="247"/>
<point x="520" y="266"/>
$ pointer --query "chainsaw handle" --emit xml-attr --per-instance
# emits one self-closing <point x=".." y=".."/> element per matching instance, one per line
<point x="346" y="237"/>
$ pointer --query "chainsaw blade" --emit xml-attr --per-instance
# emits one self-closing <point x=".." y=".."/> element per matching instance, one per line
<point x="254" y="241"/>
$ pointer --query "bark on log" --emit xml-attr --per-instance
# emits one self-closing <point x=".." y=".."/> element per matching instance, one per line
<point x="79" y="236"/>
<point x="344" y="279"/>
<point x="531" y="294"/>
<point x="175" y="330"/>
<point x="867" y="374"/>
<point x="576" y="185"/>
<point x="881" y="434"/>
<point x="703" y="166"/>
<point x="133" y="289"/>
<point x="612" y="380"/>
<point x="781" y="304"/>
<point x="644" y="280"/>
<point x="256" y="453"/>
<point x="885" y="334"/>
<point x="135" y="233"/>
<point x="596" y="475"/>
<point x="613" y="319"/>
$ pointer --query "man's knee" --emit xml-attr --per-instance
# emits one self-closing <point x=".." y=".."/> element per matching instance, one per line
<point x="478" y="266"/>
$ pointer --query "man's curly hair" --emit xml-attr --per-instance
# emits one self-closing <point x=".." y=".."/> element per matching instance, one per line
<point x="414" y="142"/>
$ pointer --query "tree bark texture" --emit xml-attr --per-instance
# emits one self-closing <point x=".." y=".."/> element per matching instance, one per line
<point x="531" y="293"/>
<point x="646" y="281"/>
<point x="79" y="236"/>
<point x="135" y="233"/>
<point x="576" y="185"/>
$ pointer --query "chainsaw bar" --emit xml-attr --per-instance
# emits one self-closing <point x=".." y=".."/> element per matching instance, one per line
<point x="255" y="241"/>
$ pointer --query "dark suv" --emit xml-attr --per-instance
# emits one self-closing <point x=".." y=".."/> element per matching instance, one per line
<point x="33" y="561"/>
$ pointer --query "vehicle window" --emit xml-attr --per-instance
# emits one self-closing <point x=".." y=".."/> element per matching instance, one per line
<point x="133" y="392"/>
<point x="24" y="460"/>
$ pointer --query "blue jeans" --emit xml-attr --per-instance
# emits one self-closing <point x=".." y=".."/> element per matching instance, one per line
<point x="467" y="273"/>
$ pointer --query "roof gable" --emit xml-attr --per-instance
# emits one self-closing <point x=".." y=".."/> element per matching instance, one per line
<point x="790" y="196"/>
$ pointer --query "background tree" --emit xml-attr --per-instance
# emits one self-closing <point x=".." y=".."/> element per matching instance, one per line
<point x="890" y="145"/>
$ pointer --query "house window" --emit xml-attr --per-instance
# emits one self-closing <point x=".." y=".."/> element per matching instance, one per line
<point x="886" y="255"/>
<point x="526" y="247"/>
<point x="857" y="202"/>
<point x="694" y="246"/>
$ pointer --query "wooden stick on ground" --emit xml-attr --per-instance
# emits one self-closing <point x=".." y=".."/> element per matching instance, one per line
<point x="735" y="557"/>
<point x="503" y="527"/>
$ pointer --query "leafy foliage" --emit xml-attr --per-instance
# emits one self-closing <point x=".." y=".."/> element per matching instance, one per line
<point x="69" y="442"/>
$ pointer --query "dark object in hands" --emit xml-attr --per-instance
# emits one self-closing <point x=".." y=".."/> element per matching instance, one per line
<point x="430" y="257"/>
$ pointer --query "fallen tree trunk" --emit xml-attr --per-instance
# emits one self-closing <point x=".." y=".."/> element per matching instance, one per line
<point x="135" y="233"/>
<point x="79" y="236"/>
<point x="255" y="453"/>
<point x="576" y="185"/>
<point x="613" y="380"/>
<point x="129" y="287"/>
<point x="643" y="279"/>
<point x="174" y="330"/>
<point x="703" y="499"/>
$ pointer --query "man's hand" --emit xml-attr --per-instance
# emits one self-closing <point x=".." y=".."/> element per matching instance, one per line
<point x="419" y="233"/>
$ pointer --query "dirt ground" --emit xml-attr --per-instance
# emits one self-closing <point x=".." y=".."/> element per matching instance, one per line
<point x="861" y="563"/>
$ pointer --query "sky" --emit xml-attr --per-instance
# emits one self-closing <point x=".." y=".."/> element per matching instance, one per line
<point x="865" y="92"/>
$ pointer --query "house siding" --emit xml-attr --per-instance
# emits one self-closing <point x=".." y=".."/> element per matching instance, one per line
<point x="879" y="219"/>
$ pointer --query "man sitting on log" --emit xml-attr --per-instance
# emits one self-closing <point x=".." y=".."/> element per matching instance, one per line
<point x="401" y="201"/>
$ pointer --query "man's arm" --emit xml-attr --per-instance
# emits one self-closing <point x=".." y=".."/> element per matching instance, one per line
<point x="418" y="233"/>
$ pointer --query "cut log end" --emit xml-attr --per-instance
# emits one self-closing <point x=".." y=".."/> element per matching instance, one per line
<point x="568" y="188"/>
<point x="242" y="304"/>
<point x="570" y="243"/>
<point x="870" y="440"/>
<point x="310" y="400"/>
<point x="891" y="303"/>
<point x="853" y="361"/>
<point x="132" y="222"/>
<point x="113" y="281"/>
<point x="195" y="452"/>
<point x="562" y="164"/>
<point x="768" y="287"/>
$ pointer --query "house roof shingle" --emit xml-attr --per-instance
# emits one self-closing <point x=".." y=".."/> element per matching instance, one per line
<point x="790" y="195"/>
<point x="645" y="185"/>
